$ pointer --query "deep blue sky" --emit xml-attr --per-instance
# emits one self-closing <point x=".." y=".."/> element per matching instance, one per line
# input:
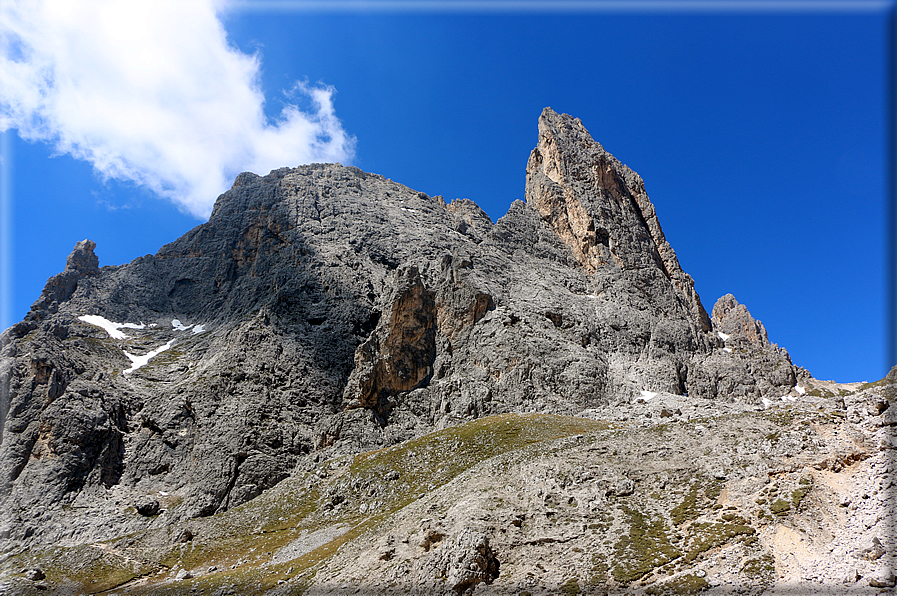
<point x="760" y="137"/>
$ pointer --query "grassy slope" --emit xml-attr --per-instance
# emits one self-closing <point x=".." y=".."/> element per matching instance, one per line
<point x="247" y="536"/>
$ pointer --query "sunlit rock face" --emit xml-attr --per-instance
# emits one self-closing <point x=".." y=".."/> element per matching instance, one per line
<point x="599" y="207"/>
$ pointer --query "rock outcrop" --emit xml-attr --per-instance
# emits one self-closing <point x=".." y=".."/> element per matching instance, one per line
<point x="398" y="356"/>
<point x="732" y="318"/>
<point x="81" y="263"/>
<point x="323" y="311"/>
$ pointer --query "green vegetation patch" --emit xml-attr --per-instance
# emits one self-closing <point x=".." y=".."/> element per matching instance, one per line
<point x="570" y="587"/>
<point x="701" y="495"/>
<point x="820" y="392"/>
<point x="780" y="507"/>
<point x="645" y="547"/>
<point x="798" y="494"/>
<point x="733" y="518"/>
<point x="687" y="509"/>
<point x="704" y="536"/>
<point x="91" y="568"/>
<point x="684" y="584"/>
<point x="427" y="462"/>
<point x="169" y="356"/>
<point x="598" y="575"/>
<point x="780" y="416"/>
<point x="760" y="570"/>
<point x="878" y="383"/>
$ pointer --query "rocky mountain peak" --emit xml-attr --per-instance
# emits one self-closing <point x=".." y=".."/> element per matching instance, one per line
<point x="323" y="312"/>
<point x="599" y="207"/>
<point x="81" y="263"/>
<point x="732" y="318"/>
<point x="82" y="258"/>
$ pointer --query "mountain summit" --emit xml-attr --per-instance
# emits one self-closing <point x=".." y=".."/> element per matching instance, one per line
<point x="323" y="312"/>
<point x="599" y="207"/>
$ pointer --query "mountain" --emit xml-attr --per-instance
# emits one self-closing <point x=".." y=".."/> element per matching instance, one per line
<point x="378" y="389"/>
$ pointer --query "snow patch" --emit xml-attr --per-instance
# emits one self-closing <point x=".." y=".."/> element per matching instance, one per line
<point x="178" y="326"/>
<point x="648" y="395"/>
<point x="788" y="398"/>
<point x="199" y="329"/>
<point x="800" y="390"/>
<point x="766" y="403"/>
<point x="140" y="361"/>
<point x="407" y="209"/>
<point x="728" y="350"/>
<point x="111" y="328"/>
<point x="723" y="336"/>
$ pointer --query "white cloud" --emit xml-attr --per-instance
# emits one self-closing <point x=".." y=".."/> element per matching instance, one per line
<point x="152" y="92"/>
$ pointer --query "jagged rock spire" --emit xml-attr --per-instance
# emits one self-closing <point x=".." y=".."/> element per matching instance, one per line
<point x="732" y="318"/>
<point x="81" y="262"/>
<point x="82" y="258"/>
<point x="599" y="207"/>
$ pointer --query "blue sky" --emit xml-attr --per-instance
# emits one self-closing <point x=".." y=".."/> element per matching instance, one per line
<point x="758" y="127"/>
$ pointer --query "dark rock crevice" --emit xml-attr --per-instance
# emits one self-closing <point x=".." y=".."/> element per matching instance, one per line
<point x="399" y="354"/>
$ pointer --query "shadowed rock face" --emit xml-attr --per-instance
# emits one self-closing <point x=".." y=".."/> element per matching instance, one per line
<point x="322" y="311"/>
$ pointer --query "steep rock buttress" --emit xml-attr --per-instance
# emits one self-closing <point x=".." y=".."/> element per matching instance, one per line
<point x="599" y="207"/>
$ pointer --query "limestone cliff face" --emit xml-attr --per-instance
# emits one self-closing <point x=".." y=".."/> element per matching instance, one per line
<point x="324" y="311"/>
<point x="599" y="207"/>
